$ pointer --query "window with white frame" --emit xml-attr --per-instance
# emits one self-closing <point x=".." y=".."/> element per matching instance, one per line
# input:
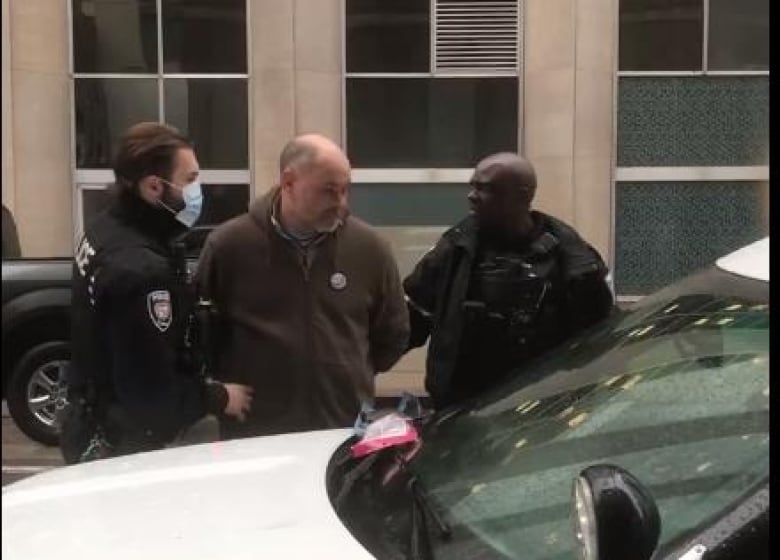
<point x="431" y="83"/>
<point x="182" y="62"/>
<point x="700" y="36"/>
<point x="431" y="87"/>
<point x="692" y="136"/>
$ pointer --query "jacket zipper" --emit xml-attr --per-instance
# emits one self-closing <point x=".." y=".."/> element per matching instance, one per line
<point x="306" y="264"/>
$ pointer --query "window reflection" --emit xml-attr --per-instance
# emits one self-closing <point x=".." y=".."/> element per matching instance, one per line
<point x="115" y="36"/>
<point x="441" y="122"/>
<point x="105" y="108"/>
<point x="739" y="35"/>
<point x="222" y="202"/>
<point x="409" y="204"/>
<point x="93" y="202"/>
<point x="661" y="34"/>
<point x="388" y="36"/>
<point x="213" y="113"/>
<point x="204" y="36"/>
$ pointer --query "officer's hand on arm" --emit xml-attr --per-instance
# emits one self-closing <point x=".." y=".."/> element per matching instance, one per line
<point x="421" y="289"/>
<point x="239" y="400"/>
<point x="135" y="295"/>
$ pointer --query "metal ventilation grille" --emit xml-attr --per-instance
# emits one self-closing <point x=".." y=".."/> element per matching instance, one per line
<point x="477" y="37"/>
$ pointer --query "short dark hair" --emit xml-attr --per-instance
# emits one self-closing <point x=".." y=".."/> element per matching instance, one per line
<point x="147" y="148"/>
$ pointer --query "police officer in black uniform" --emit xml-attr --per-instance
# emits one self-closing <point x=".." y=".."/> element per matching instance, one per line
<point x="503" y="286"/>
<point x="132" y="386"/>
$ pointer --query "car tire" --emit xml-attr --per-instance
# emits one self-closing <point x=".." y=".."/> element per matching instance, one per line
<point x="37" y="392"/>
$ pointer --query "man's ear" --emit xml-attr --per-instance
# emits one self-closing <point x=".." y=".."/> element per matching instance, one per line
<point x="287" y="178"/>
<point x="150" y="188"/>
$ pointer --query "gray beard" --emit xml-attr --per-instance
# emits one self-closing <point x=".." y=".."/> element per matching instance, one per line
<point x="336" y="224"/>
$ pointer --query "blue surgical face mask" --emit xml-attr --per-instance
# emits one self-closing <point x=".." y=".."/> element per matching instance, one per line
<point x="193" y="203"/>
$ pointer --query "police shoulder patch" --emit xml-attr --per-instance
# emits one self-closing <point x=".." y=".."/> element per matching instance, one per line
<point x="158" y="303"/>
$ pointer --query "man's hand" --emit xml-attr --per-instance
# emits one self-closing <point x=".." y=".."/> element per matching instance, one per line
<point x="239" y="400"/>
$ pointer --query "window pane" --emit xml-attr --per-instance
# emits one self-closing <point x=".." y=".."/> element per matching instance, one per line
<point x="114" y="36"/>
<point x="387" y="36"/>
<point x="427" y="122"/>
<point x="105" y="108"/>
<point x="405" y="204"/>
<point x="686" y="121"/>
<point x="739" y="35"/>
<point x="201" y="36"/>
<point x="213" y="113"/>
<point x="661" y="34"/>
<point x="662" y="233"/>
<point x="222" y="202"/>
<point x="409" y="244"/>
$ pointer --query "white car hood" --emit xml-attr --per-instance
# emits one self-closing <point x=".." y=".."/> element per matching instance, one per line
<point x="751" y="261"/>
<point x="251" y="498"/>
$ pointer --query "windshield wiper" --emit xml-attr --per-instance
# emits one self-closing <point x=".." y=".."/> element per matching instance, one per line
<point x="349" y="480"/>
<point x="423" y="508"/>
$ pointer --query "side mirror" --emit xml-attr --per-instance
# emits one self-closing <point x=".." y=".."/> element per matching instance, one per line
<point x="614" y="515"/>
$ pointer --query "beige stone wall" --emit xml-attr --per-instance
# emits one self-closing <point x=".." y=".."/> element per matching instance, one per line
<point x="318" y="74"/>
<point x="8" y="153"/>
<point x="569" y="110"/>
<point x="271" y="86"/>
<point x="295" y="81"/>
<point x="39" y="135"/>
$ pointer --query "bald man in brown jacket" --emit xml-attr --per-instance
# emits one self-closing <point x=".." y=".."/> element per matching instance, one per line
<point x="310" y="298"/>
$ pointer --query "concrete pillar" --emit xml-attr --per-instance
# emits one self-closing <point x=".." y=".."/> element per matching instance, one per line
<point x="295" y="84"/>
<point x="569" y="59"/>
<point x="271" y="87"/>
<point x="318" y="72"/>
<point x="594" y="121"/>
<point x="40" y="128"/>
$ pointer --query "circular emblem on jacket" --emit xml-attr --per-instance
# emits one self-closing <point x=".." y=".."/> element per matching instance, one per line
<point x="338" y="281"/>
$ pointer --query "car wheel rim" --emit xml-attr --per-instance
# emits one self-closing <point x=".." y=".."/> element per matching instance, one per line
<point x="47" y="393"/>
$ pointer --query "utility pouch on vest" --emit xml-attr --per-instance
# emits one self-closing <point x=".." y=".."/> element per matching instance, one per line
<point x="512" y="291"/>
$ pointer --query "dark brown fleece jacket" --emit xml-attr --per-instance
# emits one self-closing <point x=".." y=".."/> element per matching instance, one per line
<point x="309" y="337"/>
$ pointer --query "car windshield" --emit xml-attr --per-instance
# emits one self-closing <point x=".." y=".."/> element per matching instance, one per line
<point x="675" y="391"/>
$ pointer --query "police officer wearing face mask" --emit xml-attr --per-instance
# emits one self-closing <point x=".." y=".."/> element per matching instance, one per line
<point x="131" y="386"/>
<point x="503" y="286"/>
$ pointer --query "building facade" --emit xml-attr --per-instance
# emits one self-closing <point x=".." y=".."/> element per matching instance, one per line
<point x="647" y="120"/>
